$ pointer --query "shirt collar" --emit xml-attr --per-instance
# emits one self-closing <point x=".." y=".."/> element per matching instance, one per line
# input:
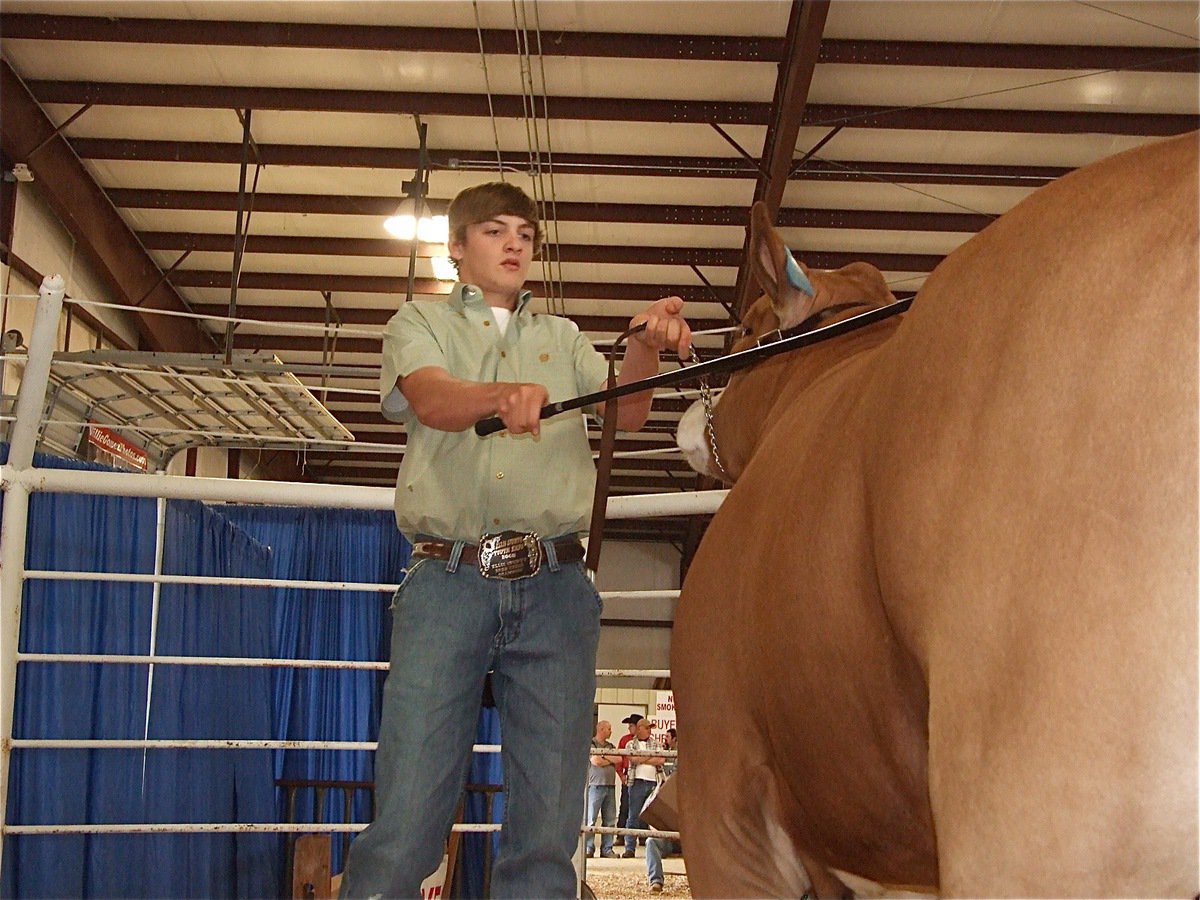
<point x="463" y="295"/>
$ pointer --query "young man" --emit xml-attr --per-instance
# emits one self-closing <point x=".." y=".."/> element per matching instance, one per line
<point x="497" y="581"/>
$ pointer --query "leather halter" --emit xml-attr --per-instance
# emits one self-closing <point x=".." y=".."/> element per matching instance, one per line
<point x="813" y="322"/>
<point x="816" y="320"/>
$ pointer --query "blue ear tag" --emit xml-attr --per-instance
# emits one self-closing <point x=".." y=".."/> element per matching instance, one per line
<point x="796" y="276"/>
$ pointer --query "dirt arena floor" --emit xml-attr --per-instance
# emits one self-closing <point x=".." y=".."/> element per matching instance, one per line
<point x="625" y="879"/>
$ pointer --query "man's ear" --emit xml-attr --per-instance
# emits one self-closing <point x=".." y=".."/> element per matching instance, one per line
<point x="781" y="276"/>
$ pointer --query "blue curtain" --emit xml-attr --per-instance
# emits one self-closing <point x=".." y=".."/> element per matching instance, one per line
<point x="329" y="704"/>
<point x="69" y="700"/>
<point x="109" y="701"/>
<point x="63" y="700"/>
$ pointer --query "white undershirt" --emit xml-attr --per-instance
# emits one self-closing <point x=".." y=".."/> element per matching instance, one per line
<point x="502" y="315"/>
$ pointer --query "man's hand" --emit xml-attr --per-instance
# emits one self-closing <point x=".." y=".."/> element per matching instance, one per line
<point x="519" y="406"/>
<point x="666" y="328"/>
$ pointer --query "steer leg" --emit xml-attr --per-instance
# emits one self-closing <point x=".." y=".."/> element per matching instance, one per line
<point x="734" y="838"/>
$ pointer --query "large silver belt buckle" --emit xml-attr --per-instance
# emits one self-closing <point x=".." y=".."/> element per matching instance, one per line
<point x="510" y="555"/>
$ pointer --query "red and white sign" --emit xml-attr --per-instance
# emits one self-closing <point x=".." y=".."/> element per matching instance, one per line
<point x="664" y="713"/>
<point x="118" y="447"/>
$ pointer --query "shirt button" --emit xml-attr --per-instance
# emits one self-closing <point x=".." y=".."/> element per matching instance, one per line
<point x="495" y="521"/>
<point x="486" y="323"/>
<point x="503" y="354"/>
<point x="499" y="475"/>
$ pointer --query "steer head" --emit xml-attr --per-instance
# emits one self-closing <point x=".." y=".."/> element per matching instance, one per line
<point x="792" y="293"/>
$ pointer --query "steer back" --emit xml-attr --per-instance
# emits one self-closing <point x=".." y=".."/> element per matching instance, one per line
<point x="947" y="615"/>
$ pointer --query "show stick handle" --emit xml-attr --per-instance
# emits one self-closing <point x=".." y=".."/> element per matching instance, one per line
<point x="484" y="427"/>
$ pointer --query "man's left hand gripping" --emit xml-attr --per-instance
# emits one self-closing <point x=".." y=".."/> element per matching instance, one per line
<point x="666" y="328"/>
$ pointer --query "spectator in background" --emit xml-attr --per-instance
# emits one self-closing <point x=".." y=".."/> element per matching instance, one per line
<point x="670" y="742"/>
<point x="657" y="848"/>
<point x="644" y="769"/>
<point x="623" y="773"/>
<point x="602" y="791"/>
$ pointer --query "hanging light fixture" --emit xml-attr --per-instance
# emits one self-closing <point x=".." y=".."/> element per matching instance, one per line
<point x="415" y="222"/>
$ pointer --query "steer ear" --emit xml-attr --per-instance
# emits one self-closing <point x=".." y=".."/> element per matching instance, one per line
<point x="779" y="274"/>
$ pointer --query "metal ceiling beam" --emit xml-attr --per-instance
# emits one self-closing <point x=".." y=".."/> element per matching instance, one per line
<point x="788" y="109"/>
<point x="602" y="109"/>
<point x="736" y="48"/>
<point x="864" y="220"/>
<point x="81" y="205"/>
<point x="388" y="158"/>
<point x="397" y="284"/>
<point x="200" y="96"/>
<point x="579" y="290"/>
<point x="1009" y="56"/>
<point x="636" y="213"/>
<point x="303" y="35"/>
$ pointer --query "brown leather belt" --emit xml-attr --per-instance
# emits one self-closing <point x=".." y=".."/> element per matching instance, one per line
<point x="508" y="555"/>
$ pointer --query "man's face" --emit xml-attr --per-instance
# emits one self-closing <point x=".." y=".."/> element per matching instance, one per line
<point x="603" y="730"/>
<point x="643" y="730"/>
<point x="495" y="255"/>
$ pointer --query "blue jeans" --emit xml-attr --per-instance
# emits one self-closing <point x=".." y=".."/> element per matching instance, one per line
<point x="602" y="801"/>
<point x="656" y="849"/>
<point x="451" y="626"/>
<point x="639" y="792"/>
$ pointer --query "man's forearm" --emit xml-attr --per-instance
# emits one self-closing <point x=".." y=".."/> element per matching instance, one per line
<point x="640" y="362"/>
<point x="447" y="403"/>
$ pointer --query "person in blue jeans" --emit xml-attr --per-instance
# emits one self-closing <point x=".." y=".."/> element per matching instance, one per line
<point x="644" y="772"/>
<point x="497" y="580"/>
<point x="602" y="791"/>
<point x="656" y="849"/>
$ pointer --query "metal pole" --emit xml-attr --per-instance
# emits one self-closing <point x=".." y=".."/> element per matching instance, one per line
<point x="31" y="397"/>
<point x="159" y="547"/>
<point x="418" y="195"/>
<point x="295" y="493"/>
<point x="239" y="244"/>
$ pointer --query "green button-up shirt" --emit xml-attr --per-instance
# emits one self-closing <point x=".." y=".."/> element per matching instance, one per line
<point x="458" y="486"/>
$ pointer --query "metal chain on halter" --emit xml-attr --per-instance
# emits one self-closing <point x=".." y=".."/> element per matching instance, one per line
<point x="706" y="399"/>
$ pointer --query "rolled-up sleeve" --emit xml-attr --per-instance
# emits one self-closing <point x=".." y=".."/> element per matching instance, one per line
<point x="591" y="368"/>
<point x="408" y="345"/>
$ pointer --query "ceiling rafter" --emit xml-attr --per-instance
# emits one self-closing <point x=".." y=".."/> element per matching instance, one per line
<point x="603" y="109"/>
<point x="788" y="109"/>
<point x="579" y="290"/>
<point x="739" y="48"/>
<point x="573" y="163"/>
<point x="865" y="220"/>
<point x="567" y="211"/>
<point x="65" y="185"/>
<point x="307" y="35"/>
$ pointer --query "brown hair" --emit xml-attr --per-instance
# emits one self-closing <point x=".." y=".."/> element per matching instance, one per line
<point x="487" y="201"/>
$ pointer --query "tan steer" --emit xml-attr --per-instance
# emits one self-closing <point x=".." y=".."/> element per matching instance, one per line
<point x="943" y="632"/>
